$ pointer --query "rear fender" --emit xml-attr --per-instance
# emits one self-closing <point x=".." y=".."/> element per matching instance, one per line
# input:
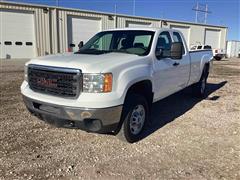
<point x="206" y="59"/>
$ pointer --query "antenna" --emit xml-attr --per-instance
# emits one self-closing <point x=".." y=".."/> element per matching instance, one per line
<point x="201" y="13"/>
<point x="115" y="13"/>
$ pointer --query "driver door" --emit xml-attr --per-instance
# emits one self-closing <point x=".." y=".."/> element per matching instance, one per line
<point x="165" y="80"/>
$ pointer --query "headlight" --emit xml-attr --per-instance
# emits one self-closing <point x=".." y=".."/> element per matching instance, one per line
<point x="26" y="73"/>
<point x="97" y="83"/>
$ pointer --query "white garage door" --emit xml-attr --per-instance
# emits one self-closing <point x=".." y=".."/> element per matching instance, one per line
<point x="82" y="29"/>
<point x="137" y="24"/>
<point x="185" y="30"/>
<point x="212" y="38"/>
<point x="17" y="34"/>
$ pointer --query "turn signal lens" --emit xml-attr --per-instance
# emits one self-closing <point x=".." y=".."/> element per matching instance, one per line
<point x="107" y="86"/>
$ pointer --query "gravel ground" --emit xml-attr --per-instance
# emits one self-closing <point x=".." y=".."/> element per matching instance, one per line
<point x="187" y="139"/>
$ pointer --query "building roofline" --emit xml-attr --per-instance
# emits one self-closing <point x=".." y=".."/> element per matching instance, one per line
<point x="233" y="40"/>
<point x="108" y="13"/>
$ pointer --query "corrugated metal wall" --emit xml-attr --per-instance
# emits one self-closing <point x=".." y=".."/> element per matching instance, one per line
<point x="54" y="31"/>
<point x="51" y="26"/>
<point x="41" y="26"/>
<point x="233" y="49"/>
<point x="62" y="24"/>
<point x="122" y="21"/>
<point x="197" y="33"/>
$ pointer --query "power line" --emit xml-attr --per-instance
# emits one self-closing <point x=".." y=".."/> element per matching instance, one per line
<point x="201" y="13"/>
<point x="57" y="3"/>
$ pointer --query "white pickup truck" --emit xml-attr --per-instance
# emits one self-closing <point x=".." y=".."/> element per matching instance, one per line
<point x="218" y="54"/>
<point x="109" y="85"/>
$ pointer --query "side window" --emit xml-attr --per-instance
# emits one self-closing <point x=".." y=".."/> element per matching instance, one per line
<point x="194" y="48"/>
<point x="142" y="41"/>
<point x="8" y="43"/>
<point x="164" y="44"/>
<point x="207" y="47"/>
<point x="29" y="43"/>
<point x="122" y="43"/>
<point x="178" y="38"/>
<point x="18" y="43"/>
<point x="103" y="43"/>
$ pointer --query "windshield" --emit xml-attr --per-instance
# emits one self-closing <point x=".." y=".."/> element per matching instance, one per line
<point x="128" y="41"/>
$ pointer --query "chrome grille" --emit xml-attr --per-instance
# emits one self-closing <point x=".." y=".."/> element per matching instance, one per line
<point x="63" y="82"/>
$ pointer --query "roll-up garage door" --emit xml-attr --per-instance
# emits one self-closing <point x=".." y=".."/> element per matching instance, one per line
<point x="184" y="29"/>
<point x="82" y="29"/>
<point x="17" y="34"/>
<point x="212" y="38"/>
<point x="137" y="24"/>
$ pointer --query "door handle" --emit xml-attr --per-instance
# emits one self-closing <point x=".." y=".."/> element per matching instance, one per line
<point x="175" y="64"/>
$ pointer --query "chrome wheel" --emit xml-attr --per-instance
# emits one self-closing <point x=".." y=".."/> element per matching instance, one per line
<point x="137" y="119"/>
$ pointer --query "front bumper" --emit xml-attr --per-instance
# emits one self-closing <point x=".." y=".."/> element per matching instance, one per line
<point x="100" y="120"/>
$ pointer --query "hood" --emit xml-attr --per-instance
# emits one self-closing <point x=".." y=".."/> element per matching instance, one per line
<point x="87" y="63"/>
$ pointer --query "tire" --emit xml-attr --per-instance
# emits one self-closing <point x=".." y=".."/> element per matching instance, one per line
<point x="199" y="89"/>
<point x="134" y="118"/>
<point x="218" y="58"/>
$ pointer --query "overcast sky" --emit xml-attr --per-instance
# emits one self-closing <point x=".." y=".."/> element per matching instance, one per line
<point x="223" y="12"/>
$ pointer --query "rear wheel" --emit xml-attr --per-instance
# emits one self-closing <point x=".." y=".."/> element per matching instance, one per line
<point x="199" y="89"/>
<point x="135" y="116"/>
<point x="218" y="58"/>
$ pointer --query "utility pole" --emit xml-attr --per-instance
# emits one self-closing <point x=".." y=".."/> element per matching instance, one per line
<point x="206" y="13"/>
<point x="134" y="7"/>
<point x="201" y="13"/>
<point x="115" y="12"/>
<point x="115" y="9"/>
<point x="196" y="16"/>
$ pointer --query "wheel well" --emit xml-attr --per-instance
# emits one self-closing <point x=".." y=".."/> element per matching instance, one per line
<point x="143" y="88"/>
<point x="207" y="65"/>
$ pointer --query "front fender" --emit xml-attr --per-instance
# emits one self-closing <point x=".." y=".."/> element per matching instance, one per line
<point x="132" y="75"/>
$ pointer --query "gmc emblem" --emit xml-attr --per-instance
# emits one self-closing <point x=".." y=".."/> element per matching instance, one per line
<point x="47" y="82"/>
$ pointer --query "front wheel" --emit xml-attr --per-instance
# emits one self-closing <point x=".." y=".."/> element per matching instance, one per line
<point x="135" y="116"/>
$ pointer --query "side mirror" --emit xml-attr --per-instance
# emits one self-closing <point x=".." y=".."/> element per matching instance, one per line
<point x="176" y="50"/>
<point x="159" y="53"/>
<point x="80" y="45"/>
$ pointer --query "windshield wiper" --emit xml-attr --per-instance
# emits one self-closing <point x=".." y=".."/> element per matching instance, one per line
<point x="121" y="51"/>
<point x="91" y="51"/>
<point x="99" y="52"/>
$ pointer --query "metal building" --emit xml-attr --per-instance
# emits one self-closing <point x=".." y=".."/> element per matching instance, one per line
<point x="29" y="30"/>
<point x="233" y="49"/>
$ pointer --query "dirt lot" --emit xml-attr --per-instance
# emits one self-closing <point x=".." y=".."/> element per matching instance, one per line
<point x="187" y="139"/>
